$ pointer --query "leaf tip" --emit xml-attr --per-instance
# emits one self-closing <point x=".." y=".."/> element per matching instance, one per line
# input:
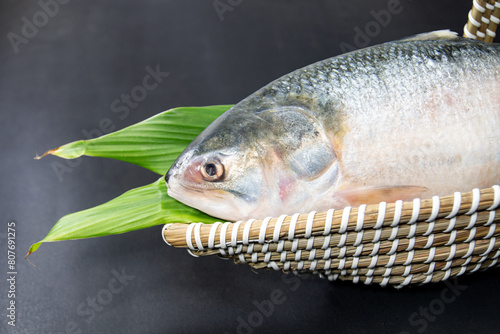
<point x="33" y="249"/>
<point x="52" y="151"/>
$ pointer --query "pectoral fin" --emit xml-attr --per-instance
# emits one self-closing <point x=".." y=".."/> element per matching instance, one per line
<point x="373" y="195"/>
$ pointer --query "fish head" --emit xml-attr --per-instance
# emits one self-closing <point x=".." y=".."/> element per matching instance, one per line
<point x="220" y="172"/>
<point x="255" y="165"/>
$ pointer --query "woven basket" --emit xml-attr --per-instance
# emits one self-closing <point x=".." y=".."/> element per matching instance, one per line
<point x="395" y="244"/>
<point x="399" y="243"/>
<point x="483" y="20"/>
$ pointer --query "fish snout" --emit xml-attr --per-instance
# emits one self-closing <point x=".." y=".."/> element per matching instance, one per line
<point x="190" y="174"/>
<point x="167" y="176"/>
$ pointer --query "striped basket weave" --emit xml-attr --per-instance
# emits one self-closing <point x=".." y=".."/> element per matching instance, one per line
<point x="399" y="243"/>
<point x="483" y="20"/>
<point x="394" y="244"/>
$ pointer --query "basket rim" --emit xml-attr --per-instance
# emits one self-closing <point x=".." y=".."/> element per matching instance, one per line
<point x="200" y="236"/>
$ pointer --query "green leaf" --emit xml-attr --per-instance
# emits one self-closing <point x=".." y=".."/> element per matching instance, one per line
<point x="154" y="143"/>
<point x="136" y="209"/>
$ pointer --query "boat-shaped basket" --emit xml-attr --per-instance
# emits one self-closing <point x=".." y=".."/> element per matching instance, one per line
<point x="397" y="244"/>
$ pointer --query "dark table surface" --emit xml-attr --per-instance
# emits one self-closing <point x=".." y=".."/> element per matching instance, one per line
<point x="58" y="80"/>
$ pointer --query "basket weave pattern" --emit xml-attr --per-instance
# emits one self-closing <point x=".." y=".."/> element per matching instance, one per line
<point x="400" y="243"/>
<point x="483" y="20"/>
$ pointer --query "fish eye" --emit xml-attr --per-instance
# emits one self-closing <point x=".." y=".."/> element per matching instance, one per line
<point x="212" y="171"/>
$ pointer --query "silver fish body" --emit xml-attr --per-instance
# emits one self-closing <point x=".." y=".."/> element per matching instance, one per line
<point x="411" y="118"/>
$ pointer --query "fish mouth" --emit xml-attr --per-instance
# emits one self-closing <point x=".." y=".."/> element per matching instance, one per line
<point x="213" y="203"/>
<point x="181" y="191"/>
<point x="182" y="195"/>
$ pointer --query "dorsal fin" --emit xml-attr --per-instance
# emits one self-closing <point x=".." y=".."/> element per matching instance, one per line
<point x="433" y="36"/>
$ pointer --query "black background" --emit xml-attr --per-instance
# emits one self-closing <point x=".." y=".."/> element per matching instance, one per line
<point x="62" y="81"/>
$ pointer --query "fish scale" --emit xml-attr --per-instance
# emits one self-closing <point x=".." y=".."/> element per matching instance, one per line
<point x="411" y="118"/>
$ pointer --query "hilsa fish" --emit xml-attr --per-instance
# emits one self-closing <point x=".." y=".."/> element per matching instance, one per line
<point x="411" y="118"/>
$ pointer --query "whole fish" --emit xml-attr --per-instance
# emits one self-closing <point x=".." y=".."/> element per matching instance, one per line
<point x="411" y="118"/>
